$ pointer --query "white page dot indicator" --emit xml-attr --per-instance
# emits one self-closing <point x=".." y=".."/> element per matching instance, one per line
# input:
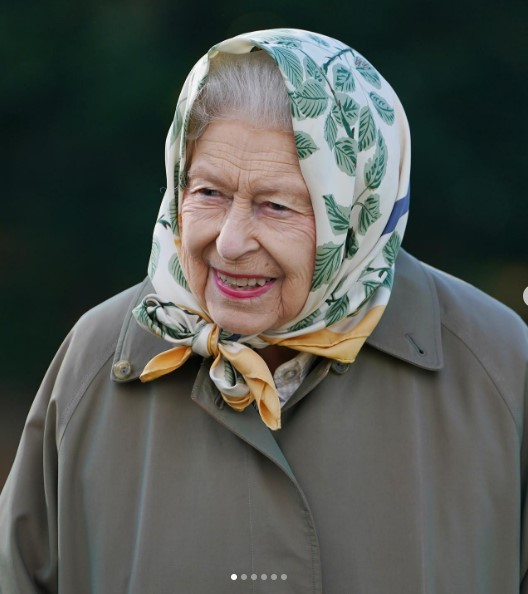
<point x="254" y="577"/>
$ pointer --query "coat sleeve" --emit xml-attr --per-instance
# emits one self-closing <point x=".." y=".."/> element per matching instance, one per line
<point x="28" y="503"/>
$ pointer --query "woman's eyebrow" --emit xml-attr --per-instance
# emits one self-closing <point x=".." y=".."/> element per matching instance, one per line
<point x="280" y="188"/>
<point x="209" y="173"/>
<point x="278" y="185"/>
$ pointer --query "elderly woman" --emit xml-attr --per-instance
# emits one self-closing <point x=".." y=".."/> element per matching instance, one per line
<point x="294" y="430"/>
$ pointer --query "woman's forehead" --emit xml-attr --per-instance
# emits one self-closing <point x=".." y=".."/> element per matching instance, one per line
<point x="231" y="148"/>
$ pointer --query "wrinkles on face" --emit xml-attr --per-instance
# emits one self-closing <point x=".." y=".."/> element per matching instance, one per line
<point x="254" y="175"/>
<point x="246" y="211"/>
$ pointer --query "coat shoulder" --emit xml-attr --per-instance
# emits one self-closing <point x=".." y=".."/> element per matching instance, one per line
<point x="90" y="347"/>
<point x="488" y="331"/>
<point x="106" y="318"/>
<point x="475" y="315"/>
<point x="96" y="333"/>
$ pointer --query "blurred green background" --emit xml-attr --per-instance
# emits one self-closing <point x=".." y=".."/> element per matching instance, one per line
<point x="87" y="93"/>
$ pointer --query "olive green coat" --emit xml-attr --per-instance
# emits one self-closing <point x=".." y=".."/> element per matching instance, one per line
<point x="403" y="473"/>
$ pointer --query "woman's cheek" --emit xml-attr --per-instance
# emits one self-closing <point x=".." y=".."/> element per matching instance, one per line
<point x="297" y="232"/>
<point x="196" y="213"/>
<point x="195" y="269"/>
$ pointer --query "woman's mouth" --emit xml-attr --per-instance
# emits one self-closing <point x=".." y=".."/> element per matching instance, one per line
<point x="240" y="282"/>
<point x="242" y="287"/>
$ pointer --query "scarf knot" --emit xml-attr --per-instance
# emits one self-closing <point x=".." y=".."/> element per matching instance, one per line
<point x="239" y="373"/>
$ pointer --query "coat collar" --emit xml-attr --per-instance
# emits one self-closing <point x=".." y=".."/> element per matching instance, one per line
<point x="409" y="329"/>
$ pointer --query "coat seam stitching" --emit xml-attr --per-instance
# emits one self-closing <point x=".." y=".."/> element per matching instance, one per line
<point x="129" y="318"/>
<point x="488" y="374"/>
<point x="69" y="411"/>
<point x="250" y="510"/>
<point x="313" y="539"/>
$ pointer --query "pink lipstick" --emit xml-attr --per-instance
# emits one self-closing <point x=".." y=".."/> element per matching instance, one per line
<point x="239" y="286"/>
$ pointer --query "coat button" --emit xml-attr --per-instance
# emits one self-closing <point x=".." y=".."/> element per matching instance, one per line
<point x="122" y="369"/>
<point x="340" y="368"/>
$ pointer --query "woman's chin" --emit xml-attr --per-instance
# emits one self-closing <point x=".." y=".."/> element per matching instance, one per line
<point x="240" y="326"/>
<point x="246" y="317"/>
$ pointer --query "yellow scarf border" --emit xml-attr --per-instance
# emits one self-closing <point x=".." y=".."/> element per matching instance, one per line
<point x="256" y="374"/>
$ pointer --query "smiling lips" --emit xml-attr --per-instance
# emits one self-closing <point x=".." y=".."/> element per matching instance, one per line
<point x="242" y="287"/>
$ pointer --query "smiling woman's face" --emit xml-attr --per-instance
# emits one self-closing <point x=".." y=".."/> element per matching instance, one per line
<point x="248" y="229"/>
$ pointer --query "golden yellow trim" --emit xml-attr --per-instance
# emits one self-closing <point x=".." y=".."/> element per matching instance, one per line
<point x="332" y="345"/>
<point x="165" y="363"/>
<point x="325" y="342"/>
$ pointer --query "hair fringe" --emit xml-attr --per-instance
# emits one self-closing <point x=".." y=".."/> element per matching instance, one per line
<point x="247" y="87"/>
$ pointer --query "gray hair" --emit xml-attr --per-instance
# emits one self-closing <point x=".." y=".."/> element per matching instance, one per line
<point x="246" y="87"/>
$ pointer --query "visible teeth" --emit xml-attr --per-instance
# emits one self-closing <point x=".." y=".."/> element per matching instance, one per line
<point x="243" y="281"/>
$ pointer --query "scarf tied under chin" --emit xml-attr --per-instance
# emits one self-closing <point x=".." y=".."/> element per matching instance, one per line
<point x="239" y="372"/>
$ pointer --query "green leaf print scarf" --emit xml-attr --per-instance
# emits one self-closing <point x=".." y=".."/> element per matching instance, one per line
<point x="353" y="144"/>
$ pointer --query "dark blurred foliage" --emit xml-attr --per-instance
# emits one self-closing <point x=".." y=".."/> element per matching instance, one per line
<point x="86" y="96"/>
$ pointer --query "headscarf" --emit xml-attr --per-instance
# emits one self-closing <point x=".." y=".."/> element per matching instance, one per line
<point x="353" y="144"/>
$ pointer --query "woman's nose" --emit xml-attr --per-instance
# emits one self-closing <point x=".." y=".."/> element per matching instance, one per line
<point x="237" y="235"/>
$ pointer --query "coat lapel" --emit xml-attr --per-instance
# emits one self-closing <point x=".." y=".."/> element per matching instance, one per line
<point x="246" y="424"/>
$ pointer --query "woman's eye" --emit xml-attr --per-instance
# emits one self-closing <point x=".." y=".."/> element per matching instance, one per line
<point x="209" y="192"/>
<point x="277" y="206"/>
